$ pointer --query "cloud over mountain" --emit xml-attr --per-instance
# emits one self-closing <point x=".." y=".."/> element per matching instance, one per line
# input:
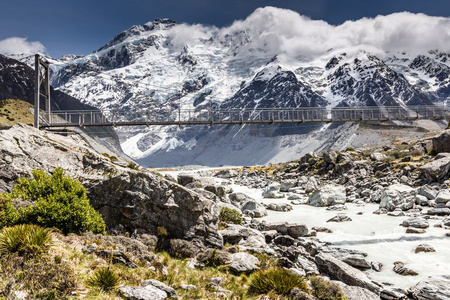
<point x="18" y="45"/>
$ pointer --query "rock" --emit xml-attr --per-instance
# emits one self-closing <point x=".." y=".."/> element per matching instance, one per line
<point x="243" y="263"/>
<point x="182" y="249"/>
<point x="272" y="191"/>
<point x="396" y="213"/>
<point x="195" y="264"/>
<point x="195" y="181"/>
<point x="421" y="200"/>
<point x="188" y="287"/>
<point x="443" y="196"/>
<point x="356" y="292"/>
<point x="357" y="261"/>
<point x="397" y="195"/>
<point x="239" y="198"/>
<point x="340" y="218"/>
<point x="432" y="288"/>
<point x="415" y="222"/>
<point x="427" y="191"/>
<point x="171" y="293"/>
<point x="117" y="257"/>
<point x="376" y="266"/>
<point x="444" y="211"/>
<point x="233" y="234"/>
<point x="148" y="292"/>
<point x="438" y="168"/>
<point x="328" y="195"/>
<point x="287" y="184"/>
<point x="279" y="207"/>
<point x="400" y="268"/>
<point x="284" y="240"/>
<point x="339" y="270"/>
<point x="256" y="209"/>
<point x="217" y="280"/>
<point x="298" y="294"/>
<point x="424" y="248"/>
<point x="269" y="235"/>
<point x="393" y="294"/>
<point x="89" y="249"/>
<point x="322" y="229"/>
<point x="377" y="156"/>
<point x="337" y="207"/>
<point x="330" y="156"/>
<point x="227" y="173"/>
<point x="446" y="222"/>
<point x="441" y="142"/>
<point x="292" y="229"/>
<point x="415" y="230"/>
<point x="217" y="190"/>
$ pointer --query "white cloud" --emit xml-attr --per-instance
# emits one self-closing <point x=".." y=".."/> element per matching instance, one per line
<point x="278" y="31"/>
<point x="18" y="45"/>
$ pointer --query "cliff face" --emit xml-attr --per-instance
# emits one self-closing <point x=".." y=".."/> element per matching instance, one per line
<point x="129" y="200"/>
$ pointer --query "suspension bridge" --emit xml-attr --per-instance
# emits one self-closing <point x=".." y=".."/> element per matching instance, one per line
<point x="182" y="117"/>
<point x="212" y="116"/>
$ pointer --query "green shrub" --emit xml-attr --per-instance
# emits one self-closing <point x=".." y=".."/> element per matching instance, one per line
<point x="104" y="279"/>
<point x="324" y="289"/>
<point x="25" y="239"/>
<point x="59" y="202"/>
<point x="133" y="165"/>
<point x="8" y="214"/>
<point x="349" y="149"/>
<point x="279" y="280"/>
<point x="229" y="215"/>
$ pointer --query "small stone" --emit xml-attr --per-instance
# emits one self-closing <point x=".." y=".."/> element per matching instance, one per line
<point x="400" y="268"/>
<point x="322" y="229"/>
<point x="415" y="230"/>
<point x="188" y="287"/>
<point x="376" y="266"/>
<point x="340" y="218"/>
<point x="424" y="248"/>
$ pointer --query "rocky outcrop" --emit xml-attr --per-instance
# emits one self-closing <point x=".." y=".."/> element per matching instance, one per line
<point x="438" y="168"/>
<point x="397" y="195"/>
<point x="129" y="200"/>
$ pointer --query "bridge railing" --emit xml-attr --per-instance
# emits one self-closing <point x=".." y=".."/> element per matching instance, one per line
<point x="241" y="116"/>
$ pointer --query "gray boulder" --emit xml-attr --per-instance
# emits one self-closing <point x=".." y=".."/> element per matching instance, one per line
<point x="148" y="292"/>
<point x="233" y="234"/>
<point x="272" y="191"/>
<point x="292" y="229"/>
<point x="402" y="269"/>
<point x="328" y="195"/>
<point x="438" y="168"/>
<point x="171" y="293"/>
<point x="432" y="288"/>
<point x="242" y="262"/>
<point x="287" y="184"/>
<point x="339" y="270"/>
<point x="356" y="292"/>
<point x="441" y="211"/>
<point x="441" y="142"/>
<point x="397" y="195"/>
<point x="330" y="156"/>
<point x="424" y="248"/>
<point x="415" y="222"/>
<point x="443" y="196"/>
<point x="357" y="261"/>
<point x="254" y="208"/>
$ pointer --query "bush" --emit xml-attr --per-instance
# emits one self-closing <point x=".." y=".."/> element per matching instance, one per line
<point x="432" y="152"/>
<point x="133" y="166"/>
<point x="349" y="149"/>
<point x="229" y="215"/>
<point x="25" y="239"/>
<point x="59" y="202"/>
<point x="8" y="214"/>
<point x="104" y="278"/>
<point x="324" y="289"/>
<point x="279" y="280"/>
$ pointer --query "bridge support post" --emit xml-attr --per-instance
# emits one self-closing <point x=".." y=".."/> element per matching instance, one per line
<point x="38" y="78"/>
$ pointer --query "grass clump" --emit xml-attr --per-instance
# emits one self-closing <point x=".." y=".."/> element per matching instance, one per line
<point x="25" y="240"/>
<point x="133" y="166"/>
<point x="59" y="202"/>
<point x="324" y="289"/>
<point x="432" y="152"/>
<point x="229" y="215"/>
<point x="348" y="149"/>
<point x="280" y="281"/>
<point x="104" y="279"/>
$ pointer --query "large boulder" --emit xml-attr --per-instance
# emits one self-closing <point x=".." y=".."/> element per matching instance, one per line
<point x="356" y="292"/>
<point x="272" y="191"/>
<point x="292" y="229"/>
<point x="339" y="270"/>
<point x="443" y="196"/>
<point x="438" y="168"/>
<point x="328" y="195"/>
<point x="432" y="288"/>
<point x="415" y="222"/>
<point x="441" y="142"/>
<point x="397" y="196"/>
<point x="254" y="208"/>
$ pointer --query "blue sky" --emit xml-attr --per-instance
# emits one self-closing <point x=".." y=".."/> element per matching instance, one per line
<point x="82" y="26"/>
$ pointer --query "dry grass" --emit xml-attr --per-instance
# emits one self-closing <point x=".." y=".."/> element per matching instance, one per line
<point x="14" y="111"/>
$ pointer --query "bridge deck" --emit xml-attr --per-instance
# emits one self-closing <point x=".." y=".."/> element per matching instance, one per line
<point x="241" y="116"/>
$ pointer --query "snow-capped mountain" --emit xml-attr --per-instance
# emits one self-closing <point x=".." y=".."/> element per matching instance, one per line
<point x="274" y="58"/>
